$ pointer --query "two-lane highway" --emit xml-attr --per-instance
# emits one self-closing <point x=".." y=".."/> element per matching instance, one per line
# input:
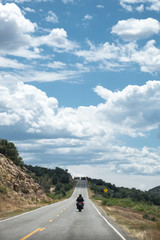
<point x="61" y="221"/>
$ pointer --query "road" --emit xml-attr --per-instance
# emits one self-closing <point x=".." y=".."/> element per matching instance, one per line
<point x="62" y="221"/>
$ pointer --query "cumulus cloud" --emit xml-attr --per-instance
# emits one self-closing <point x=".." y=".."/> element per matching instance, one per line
<point x="18" y="34"/>
<point x="15" y="29"/>
<point x="116" y="57"/>
<point x="86" y="133"/>
<point x="127" y="107"/>
<point x="123" y="108"/>
<point x="28" y="105"/>
<point x="135" y="29"/>
<point x="143" y="57"/>
<point x="58" y="40"/>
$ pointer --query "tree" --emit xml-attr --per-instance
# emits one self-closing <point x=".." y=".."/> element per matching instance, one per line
<point x="9" y="150"/>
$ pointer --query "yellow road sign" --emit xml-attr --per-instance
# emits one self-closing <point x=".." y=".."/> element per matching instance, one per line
<point x="105" y="190"/>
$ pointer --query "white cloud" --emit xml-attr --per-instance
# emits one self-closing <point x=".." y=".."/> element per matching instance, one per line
<point x="140" y="8"/>
<point x="135" y="29"/>
<point x="28" y="105"/>
<point x="67" y="1"/>
<point x="87" y="134"/>
<point x="127" y="107"/>
<point x="51" y="17"/>
<point x="58" y="40"/>
<point x="56" y="65"/>
<point x="40" y="76"/>
<point x="105" y="51"/>
<point x="100" y="6"/>
<point x="17" y="34"/>
<point x="9" y="63"/>
<point x="143" y="58"/>
<point x="87" y="17"/>
<point x="154" y="6"/>
<point x="114" y="57"/>
<point x="129" y="5"/>
<point x="14" y="28"/>
<point x="126" y="6"/>
<point x="27" y="9"/>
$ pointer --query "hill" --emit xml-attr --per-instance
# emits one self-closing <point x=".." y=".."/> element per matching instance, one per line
<point x="17" y="188"/>
<point x="98" y="186"/>
<point x="155" y="190"/>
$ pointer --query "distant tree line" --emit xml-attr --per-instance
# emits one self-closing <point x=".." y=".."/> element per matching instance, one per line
<point x="98" y="186"/>
<point x="47" y="178"/>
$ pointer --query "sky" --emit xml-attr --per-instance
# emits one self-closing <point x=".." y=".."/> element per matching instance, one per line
<point x="80" y="86"/>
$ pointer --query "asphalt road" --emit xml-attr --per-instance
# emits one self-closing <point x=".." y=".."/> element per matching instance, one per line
<point x="62" y="221"/>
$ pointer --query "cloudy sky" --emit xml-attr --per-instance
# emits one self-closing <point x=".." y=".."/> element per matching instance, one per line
<point x="80" y="86"/>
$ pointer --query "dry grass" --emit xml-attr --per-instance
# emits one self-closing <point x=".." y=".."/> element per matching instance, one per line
<point x="133" y="222"/>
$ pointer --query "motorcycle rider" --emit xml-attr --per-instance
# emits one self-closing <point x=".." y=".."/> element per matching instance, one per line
<point x="80" y="199"/>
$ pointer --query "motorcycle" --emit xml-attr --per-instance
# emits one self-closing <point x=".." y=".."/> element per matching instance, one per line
<point x="80" y="206"/>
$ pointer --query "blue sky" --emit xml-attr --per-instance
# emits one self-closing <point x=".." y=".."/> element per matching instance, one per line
<point x="79" y="86"/>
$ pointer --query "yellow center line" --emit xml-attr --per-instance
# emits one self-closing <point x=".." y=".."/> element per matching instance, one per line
<point x="42" y="229"/>
<point x="57" y="215"/>
<point x="51" y="220"/>
<point x="30" y="234"/>
<point x="61" y="211"/>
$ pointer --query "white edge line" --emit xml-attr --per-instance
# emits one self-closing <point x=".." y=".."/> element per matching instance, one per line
<point x="108" y="222"/>
<point x="7" y="219"/>
<point x="56" y="203"/>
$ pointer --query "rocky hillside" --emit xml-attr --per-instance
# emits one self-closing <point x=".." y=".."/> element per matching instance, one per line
<point x="17" y="188"/>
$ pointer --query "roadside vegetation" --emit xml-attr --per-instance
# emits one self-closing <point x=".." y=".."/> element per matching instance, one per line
<point x="136" y="211"/>
<point x="57" y="183"/>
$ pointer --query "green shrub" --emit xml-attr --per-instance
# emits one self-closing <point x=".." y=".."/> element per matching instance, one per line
<point x="139" y="207"/>
<point x="3" y="189"/>
<point x="9" y="150"/>
<point x="146" y="216"/>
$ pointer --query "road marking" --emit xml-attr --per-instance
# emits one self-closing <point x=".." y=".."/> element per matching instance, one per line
<point x="108" y="222"/>
<point x="61" y="211"/>
<point x="30" y="212"/>
<point x="51" y="220"/>
<point x="42" y="229"/>
<point x="30" y="234"/>
<point x="57" y="215"/>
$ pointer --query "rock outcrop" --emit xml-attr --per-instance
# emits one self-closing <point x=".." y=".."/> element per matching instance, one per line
<point x="17" y="188"/>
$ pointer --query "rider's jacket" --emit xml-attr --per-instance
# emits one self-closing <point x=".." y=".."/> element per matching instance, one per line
<point x="80" y="199"/>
